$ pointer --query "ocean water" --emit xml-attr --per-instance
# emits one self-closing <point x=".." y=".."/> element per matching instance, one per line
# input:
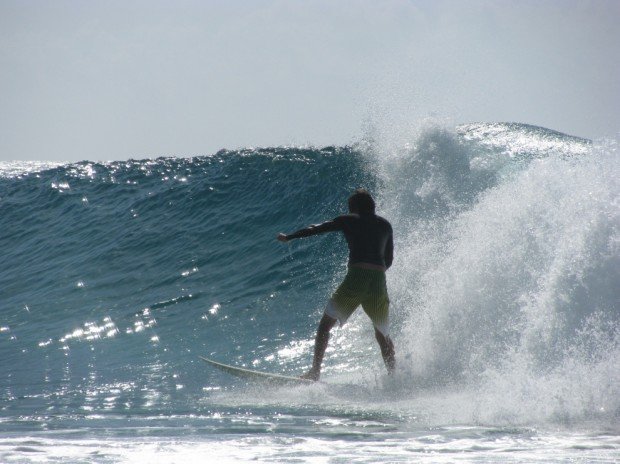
<point x="505" y="300"/>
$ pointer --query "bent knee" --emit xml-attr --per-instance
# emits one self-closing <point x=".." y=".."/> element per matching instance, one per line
<point x="381" y="333"/>
<point x="327" y="323"/>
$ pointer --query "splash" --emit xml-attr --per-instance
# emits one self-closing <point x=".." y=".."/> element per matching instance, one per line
<point x="505" y="284"/>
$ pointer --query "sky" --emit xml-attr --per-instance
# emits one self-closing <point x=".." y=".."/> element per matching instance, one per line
<point x="113" y="80"/>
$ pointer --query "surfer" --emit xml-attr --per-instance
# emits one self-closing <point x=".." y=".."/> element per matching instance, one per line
<point x="369" y="238"/>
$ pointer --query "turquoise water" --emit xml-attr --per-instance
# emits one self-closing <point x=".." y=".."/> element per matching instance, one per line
<point x="116" y="276"/>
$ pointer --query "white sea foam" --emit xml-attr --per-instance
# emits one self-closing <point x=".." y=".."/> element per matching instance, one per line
<point x="508" y="286"/>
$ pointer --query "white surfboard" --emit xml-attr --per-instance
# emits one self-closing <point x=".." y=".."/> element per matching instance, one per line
<point x="258" y="376"/>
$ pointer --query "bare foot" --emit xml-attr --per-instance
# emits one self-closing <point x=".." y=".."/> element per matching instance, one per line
<point x="311" y="375"/>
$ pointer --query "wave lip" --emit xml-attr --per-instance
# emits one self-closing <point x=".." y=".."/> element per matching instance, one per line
<point x="514" y="139"/>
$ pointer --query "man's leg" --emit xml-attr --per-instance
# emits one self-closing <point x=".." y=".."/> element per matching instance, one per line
<point x="387" y="351"/>
<point x="320" y="345"/>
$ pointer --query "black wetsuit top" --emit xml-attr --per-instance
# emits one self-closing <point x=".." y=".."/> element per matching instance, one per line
<point x="369" y="237"/>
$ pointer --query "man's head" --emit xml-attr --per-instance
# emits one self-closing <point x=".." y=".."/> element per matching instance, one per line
<point x="361" y="202"/>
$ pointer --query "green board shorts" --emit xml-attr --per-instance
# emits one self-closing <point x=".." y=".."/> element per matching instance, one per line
<point x="364" y="287"/>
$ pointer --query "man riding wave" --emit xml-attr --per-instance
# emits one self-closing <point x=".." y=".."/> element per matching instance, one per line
<point x="371" y="251"/>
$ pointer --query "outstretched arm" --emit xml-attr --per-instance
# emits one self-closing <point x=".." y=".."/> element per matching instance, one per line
<point x="329" y="226"/>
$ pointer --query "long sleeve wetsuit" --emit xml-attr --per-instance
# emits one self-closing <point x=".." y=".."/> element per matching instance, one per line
<point x="369" y="237"/>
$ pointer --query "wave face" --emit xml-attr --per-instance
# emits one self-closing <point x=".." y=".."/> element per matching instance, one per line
<point x="116" y="276"/>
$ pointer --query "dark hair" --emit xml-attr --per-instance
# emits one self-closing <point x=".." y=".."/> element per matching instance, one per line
<point x="361" y="202"/>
